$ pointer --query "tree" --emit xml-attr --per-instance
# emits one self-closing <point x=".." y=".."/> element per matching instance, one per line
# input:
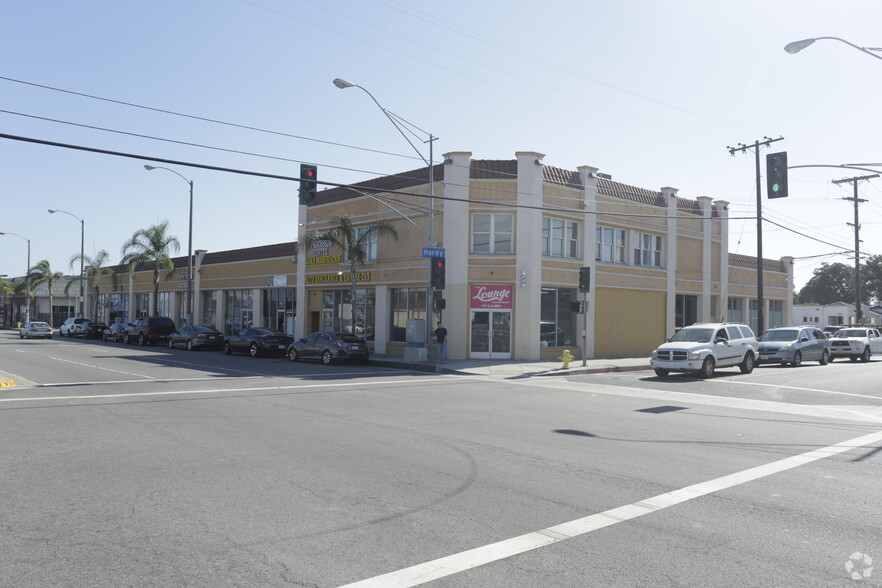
<point x="871" y="272"/>
<point x="830" y="283"/>
<point x="353" y="241"/>
<point x="152" y="245"/>
<point x="42" y="274"/>
<point x="95" y="270"/>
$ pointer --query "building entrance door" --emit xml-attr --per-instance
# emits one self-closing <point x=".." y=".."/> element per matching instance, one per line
<point x="490" y="334"/>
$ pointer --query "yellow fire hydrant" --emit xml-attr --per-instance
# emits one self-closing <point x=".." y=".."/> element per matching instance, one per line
<point x="566" y="358"/>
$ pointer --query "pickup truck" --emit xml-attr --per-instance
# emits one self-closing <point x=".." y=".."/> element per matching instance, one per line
<point x="855" y="343"/>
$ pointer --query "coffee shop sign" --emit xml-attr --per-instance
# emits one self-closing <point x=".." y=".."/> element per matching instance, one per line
<point x="491" y="296"/>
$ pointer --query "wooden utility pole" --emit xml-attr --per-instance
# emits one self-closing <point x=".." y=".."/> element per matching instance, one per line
<point x="857" y="242"/>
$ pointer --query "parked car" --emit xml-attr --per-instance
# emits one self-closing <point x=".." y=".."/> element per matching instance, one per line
<point x="196" y="337"/>
<point x="116" y="332"/>
<point x="258" y="341"/>
<point x="150" y="329"/>
<point x="855" y="343"/>
<point x="70" y="327"/>
<point x="35" y="329"/>
<point x="327" y="347"/>
<point x="703" y="347"/>
<point x="90" y="330"/>
<point x="793" y="345"/>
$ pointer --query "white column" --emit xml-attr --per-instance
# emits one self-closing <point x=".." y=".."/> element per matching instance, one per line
<point x="670" y="197"/>
<point x="257" y="308"/>
<point x="589" y="238"/>
<point x="528" y="251"/>
<point x="300" y="325"/>
<point x="456" y="235"/>
<point x="381" y="320"/>
<point x="705" y="204"/>
<point x="130" y="313"/>
<point x="197" y="286"/>
<point x="788" y="303"/>
<point x="723" y="213"/>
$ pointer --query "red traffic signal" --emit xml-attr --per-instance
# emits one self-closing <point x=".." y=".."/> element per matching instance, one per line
<point x="437" y="277"/>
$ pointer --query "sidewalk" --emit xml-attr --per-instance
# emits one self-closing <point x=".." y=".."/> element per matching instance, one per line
<point x="514" y="368"/>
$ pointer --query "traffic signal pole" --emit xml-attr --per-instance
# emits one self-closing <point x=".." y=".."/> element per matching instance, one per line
<point x="755" y="147"/>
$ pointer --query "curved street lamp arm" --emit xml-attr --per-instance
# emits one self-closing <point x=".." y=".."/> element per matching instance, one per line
<point x="401" y="214"/>
<point x="797" y="46"/>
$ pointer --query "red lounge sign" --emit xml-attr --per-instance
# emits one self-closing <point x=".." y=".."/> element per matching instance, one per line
<point x="493" y="296"/>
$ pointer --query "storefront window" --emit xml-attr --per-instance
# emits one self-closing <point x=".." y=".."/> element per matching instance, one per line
<point x="238" y="310"/>
<point x="279" y="308"/>
<point x="686" y="311"/>
<point x="337" y="311"/>
<point x="557" y="322"/>
<point x="735" y="308"/>
<point x="406" y="303"/>
<point x="142" y="306"/>
<point x="209" y="307"/>
<point x="776" y="313"/>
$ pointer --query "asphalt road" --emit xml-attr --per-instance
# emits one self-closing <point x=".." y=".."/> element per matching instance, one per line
<point x="129" y="466"/>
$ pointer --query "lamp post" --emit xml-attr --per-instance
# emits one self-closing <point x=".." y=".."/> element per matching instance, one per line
<point x="797" y="46"/>
<point x="27" y="278"/>
<point x="189" y="242"/>
<point x="82" y="255"/>
<point x="398" y="123"/>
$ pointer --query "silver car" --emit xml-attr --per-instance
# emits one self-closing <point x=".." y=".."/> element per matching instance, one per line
<point x="793" y="345"/>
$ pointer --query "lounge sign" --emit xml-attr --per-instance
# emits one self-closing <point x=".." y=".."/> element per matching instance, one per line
<point x="343" y="278"/>
<point x="491" y="296"/>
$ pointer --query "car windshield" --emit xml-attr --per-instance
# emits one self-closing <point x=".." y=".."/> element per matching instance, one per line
<point x="693" y="335"/>
<point x="349" y="338"/>
<point x="39" y="325"/>
<point x="851" y="333"/>
<point x="784" y="335"/>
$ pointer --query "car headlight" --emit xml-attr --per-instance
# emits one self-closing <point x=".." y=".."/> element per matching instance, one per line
<point x="654" y="354"/>
<point x="786" y="347"/>
<point x="694" y="355"/>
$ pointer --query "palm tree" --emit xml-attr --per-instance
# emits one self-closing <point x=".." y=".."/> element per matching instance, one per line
<point x="152" y="245"/>
<point x="95" y="270"/>
<point x="42" y="274"/>
<point x="353" y="241"/>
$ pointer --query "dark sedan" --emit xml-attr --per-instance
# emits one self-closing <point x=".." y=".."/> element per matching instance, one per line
<point x="196" y="337"/>
<point x="256" y="341"/>
<point x="116" y="332"/>
<point x="328" y="347"/>
<point x="91" y="330"/>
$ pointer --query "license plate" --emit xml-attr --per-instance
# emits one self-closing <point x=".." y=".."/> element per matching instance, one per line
<point x="356" y="347"/>
<point x="281" y="346"/>
<point x="668" y="364"/>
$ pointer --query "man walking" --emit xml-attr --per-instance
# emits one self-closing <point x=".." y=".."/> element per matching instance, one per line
<point x="441" y="340"/>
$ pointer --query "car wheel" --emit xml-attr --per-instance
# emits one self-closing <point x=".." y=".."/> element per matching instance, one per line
<point x="141" y="340"/>
<point x="326" y="357"/>
<point x="852" y="358"/>
<point x="189" y="345"/>
<point x="661" y="373"/>
<point x="707" y="367"/>
<point x="865" y="356"/>
<point x="747" y="364"/>
<point x="293" y="355"/>
<point x="227" y="349"/>
<point x="253" y="350"/>
<point x="825" y="358"/>
<point x="797" y="359"/>
<point x="20" y="336"/>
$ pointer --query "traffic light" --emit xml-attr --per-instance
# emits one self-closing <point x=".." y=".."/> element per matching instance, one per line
<point x="578" y="306"/>
<point x="308" y="176"/>
<point x="584" y="279"/>
<point x="776" y="175"/>
<point x="440" y="304"/>
<point x="437" y="276"/>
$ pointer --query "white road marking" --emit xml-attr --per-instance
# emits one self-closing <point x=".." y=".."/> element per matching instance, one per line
<point x="466" y="560"/>
<point x="98" y="367"/>
<point x="226" y="390"/>
<point x="800" y="388"/>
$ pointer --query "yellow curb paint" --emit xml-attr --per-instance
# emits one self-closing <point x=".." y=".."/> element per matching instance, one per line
<point x="7" y="383"/>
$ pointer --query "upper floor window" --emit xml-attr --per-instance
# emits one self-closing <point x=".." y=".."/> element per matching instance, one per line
<point x="648" y="250"/>
<point x="560" y="238"/>
<point x="369" y="245"/>
<point x="492" y="233"/>
<point x="610" y="246"/>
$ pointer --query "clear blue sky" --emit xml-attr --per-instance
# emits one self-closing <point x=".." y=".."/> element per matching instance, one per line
<point x="651" y="92"/>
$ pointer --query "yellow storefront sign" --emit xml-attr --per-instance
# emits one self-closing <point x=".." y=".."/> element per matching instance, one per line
<point x="343" y="278"/>
<point x="323" y="259"/>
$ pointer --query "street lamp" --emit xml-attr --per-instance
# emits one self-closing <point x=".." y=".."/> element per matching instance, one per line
<point x="401" y="124"/>
<point x="82" y="255"/>
<point x="797" y="46"/>
<point x="189" y="242"/>
<point x="27" y="278"/>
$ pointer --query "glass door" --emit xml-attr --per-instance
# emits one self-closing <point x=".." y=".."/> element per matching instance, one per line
<point x="490" y="334"/>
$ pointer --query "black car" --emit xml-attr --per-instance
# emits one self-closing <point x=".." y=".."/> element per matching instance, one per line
<point x="196" y="337"/>
<point x="91" y="330"/>
<point x="257" y="341"/>
<point x="329" y="347"/>
<point x="150" y="329"/>
<point x="116" y="332"/>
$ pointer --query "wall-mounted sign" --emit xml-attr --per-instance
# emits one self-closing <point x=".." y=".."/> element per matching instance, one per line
<point x="324" y="259"/>
<point x="337" y="278"/>
<point x="491" y="296"/>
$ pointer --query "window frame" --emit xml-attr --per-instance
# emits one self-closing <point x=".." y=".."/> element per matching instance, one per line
<point x="617" y="249"/>
<point x="493" y="234"/>
<point x="560" y="238"/>
<point x="653" y="251"/>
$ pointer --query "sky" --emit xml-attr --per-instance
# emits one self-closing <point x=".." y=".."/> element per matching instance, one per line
<point x="652" y="92"/>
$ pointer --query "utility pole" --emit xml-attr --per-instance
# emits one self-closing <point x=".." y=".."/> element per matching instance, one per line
<point x="755" y="147"/>
<point x="857" y="242"/>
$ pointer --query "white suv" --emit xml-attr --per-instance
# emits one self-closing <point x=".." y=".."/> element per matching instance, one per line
<point x="855" y="343"/>
<point x="703" y="347"/>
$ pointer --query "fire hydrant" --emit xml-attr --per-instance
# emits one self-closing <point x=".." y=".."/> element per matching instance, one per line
<point x="566" y="358"/>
